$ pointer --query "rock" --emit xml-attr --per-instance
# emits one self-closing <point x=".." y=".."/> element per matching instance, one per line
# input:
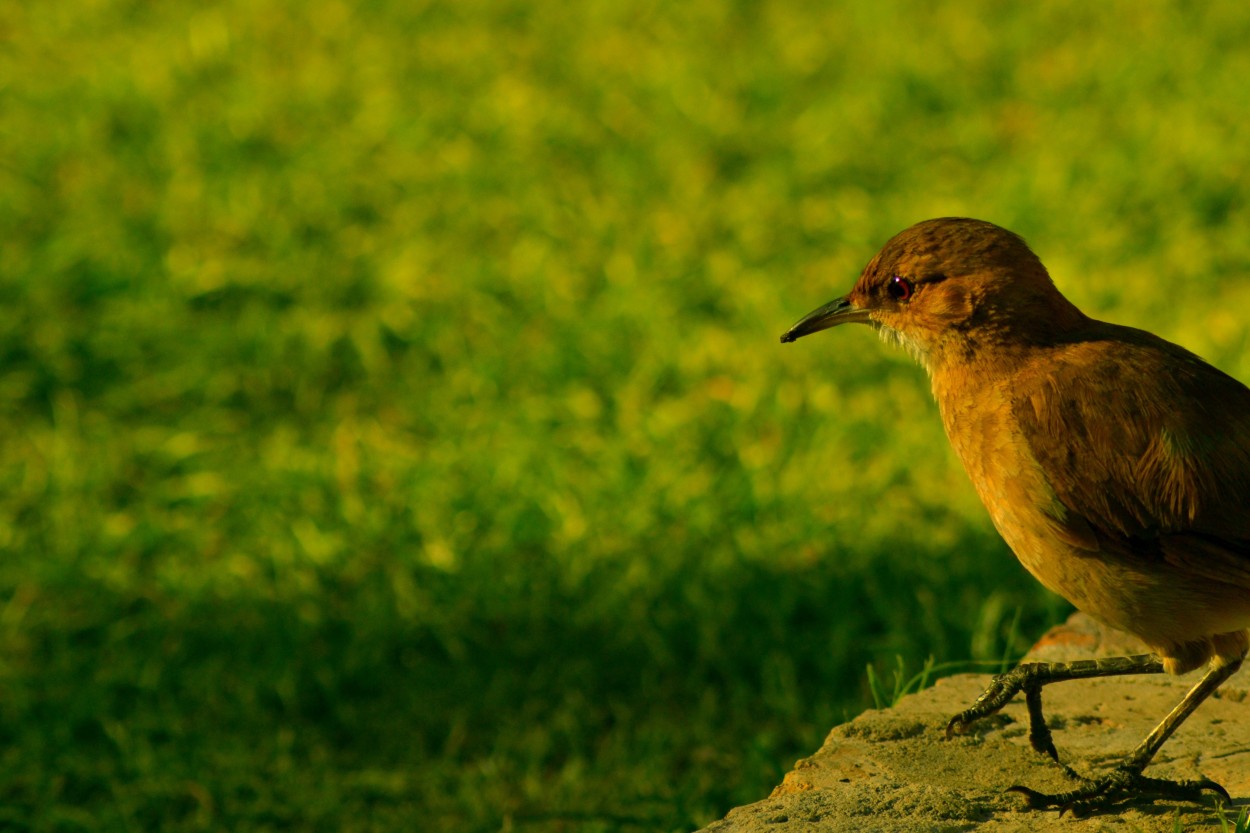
<point x="892" y="769"/>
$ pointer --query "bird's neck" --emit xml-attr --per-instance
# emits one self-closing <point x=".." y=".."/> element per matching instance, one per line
<point x="999" y="340"/>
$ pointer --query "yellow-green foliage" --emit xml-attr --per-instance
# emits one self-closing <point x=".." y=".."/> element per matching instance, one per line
<point x="395" y="430"/>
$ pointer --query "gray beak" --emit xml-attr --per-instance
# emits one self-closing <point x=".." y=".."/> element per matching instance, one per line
<point x="841" y="311"/>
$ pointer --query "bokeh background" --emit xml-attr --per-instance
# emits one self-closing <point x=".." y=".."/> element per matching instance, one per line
<point x="394" y="429"/>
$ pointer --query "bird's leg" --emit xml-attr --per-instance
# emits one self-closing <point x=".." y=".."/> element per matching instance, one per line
<point x="1039" y="733"/>
<point x="1029" y="677"/>
<point x="1126" y="780"/>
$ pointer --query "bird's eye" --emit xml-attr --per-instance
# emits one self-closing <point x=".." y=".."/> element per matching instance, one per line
<point x="900" y="288"/>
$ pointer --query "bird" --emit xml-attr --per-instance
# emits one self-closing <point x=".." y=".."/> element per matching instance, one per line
<point x="1114" y="464"/>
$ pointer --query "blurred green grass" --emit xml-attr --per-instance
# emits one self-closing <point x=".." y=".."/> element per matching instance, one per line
<point x="395" y="432"/>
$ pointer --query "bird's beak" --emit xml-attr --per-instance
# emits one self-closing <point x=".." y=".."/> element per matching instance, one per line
<point x="841" y="311"/>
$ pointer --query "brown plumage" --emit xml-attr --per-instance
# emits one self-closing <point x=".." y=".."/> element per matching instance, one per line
<point x="1115" y="464"/>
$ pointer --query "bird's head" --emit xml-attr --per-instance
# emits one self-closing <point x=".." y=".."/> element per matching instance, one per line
<point x="951" y="285"/>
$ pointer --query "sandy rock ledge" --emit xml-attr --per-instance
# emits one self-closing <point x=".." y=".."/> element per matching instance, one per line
<point x="892" y="769"/>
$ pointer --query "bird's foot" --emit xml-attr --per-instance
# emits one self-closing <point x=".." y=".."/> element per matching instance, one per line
<point x="999" y="693"/>
<point x="1029" y="677"/>
<point x="1122" y="785"/>
<point x="996" y="695"/>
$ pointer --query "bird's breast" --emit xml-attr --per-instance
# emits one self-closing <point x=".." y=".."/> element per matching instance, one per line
<point x="1053" y="546"/>
<point x="1008" y="479"/>
<point x="1102" y="575"/>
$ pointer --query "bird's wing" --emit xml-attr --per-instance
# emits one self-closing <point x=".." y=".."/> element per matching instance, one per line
<point x="1147" y="448"/>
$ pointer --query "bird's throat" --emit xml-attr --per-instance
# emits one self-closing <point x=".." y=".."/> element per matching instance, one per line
<point x="918" y="350"/>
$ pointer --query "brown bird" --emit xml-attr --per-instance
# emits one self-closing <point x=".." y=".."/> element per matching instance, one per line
<point x="1115" y="464"/>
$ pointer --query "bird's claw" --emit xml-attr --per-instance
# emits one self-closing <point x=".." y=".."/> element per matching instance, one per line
<point x="1042" y="741"/>
<point x="996" y="695"/>
<point x="957" y="724"/>
<point x="1119" y="786"/>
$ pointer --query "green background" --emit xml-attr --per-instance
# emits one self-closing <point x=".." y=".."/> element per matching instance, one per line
<point x="394" y="429"/>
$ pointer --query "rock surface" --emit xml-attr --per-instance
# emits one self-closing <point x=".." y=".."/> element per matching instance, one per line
<point x="893" y="770"/>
